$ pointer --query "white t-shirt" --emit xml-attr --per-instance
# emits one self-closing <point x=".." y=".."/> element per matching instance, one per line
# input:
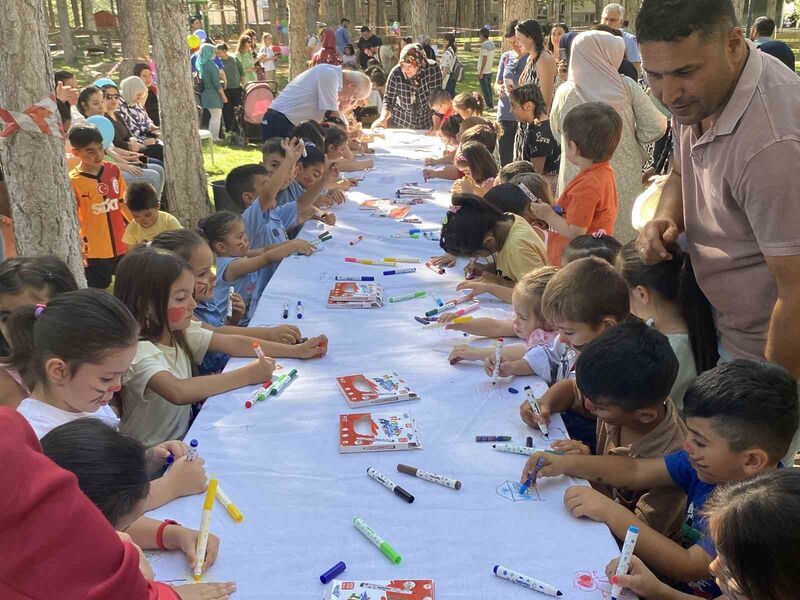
<point x="145" y="415"/>
<point x="43" y="417"/>
<point x="313" y="42"/>
<point x="269" y="63"/>
<point x="374" y="99"/>
<point x="487" y="50"/>
<point x="310" y="94"/>
<point x="687" y="370"/>
<point x="447" y="61"/>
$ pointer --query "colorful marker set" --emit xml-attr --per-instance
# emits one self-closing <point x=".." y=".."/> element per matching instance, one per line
<point x="272" y="388"/>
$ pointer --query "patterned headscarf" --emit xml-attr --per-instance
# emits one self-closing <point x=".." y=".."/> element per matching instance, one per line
<point x="414" y="54"/>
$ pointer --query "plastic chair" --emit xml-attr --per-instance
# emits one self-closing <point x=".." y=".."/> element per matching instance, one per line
<point x="205" y="134"/>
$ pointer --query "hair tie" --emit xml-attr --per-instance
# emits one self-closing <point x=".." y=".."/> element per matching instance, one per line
<point x="459" y="157"/>
<point x="37" y="312"/>
<point x="599" y="233"/>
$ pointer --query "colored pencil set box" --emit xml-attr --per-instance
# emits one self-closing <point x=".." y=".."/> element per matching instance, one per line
<point x="354" y="294"/>
<point x="377" y="432"/>
<point x="364" y="389"/>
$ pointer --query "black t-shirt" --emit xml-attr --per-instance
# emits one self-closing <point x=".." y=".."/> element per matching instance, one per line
<point x="372" y="40"/>
<point x="535" y="141"/>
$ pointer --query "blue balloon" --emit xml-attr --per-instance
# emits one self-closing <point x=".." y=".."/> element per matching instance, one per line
<point x="104" y="82"/>
<point x="105" y="127"/>
<point x="201" y="34"/>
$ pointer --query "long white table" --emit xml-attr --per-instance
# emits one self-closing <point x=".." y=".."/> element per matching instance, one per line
<point x="280" y="461"/>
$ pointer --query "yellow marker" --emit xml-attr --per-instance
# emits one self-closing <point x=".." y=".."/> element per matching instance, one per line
<point x="455" y="321"/>
<point x="401" y="260"/>
<point x="205" y="523"/>
<point x="233" y="511"/>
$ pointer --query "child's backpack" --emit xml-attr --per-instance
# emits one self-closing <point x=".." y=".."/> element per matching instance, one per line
<point x="458" y="69"/>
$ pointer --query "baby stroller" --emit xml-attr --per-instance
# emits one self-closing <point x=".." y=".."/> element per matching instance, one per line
<point x="256" y="99"/>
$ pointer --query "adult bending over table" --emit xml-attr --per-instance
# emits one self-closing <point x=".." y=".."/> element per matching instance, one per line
<point x="320" y="89"/>
<point x="733" y="185"/>
<point x="407" y="101"/>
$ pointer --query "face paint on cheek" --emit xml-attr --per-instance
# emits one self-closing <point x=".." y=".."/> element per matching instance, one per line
<point x="176" y="315"/>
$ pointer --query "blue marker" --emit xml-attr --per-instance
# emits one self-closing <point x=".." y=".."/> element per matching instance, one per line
<point x="299" y="310"/>
<point x="523" y="489"/>
<point x="437" y="299"/>
<point x="355" y="278"/>
<point x="193" y="450"/>
<point x="400" y="271"/>
<point x="625" y="559"/>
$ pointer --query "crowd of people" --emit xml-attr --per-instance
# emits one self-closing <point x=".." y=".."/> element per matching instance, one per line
<point x="671" y="352"/>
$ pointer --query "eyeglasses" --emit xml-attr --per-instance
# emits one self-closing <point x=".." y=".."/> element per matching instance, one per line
<point x="111" y="96"/>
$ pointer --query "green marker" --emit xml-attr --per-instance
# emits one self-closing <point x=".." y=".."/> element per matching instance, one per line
<point x="283" y="382"/>
<point x="410" y="296"/>
<point x="373" y="537"/>
<point x="275" y="383"/>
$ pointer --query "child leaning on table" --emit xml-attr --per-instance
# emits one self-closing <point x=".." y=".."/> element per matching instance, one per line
<point x="754" y="525"/>
<point x="112" y="470"/>
<point x="160" y="386"/>
<point x="528" y="324"/>
<point x="623" y="379"/>
<point x="741" y="418"/>
<point x="582" y="300"/>
<point x="148" y="218"/>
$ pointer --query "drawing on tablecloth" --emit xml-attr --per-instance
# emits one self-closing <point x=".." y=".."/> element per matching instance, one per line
<point x="510" y="491"/>
<point x="597" y="584"/>
<point x="326" y="276"/>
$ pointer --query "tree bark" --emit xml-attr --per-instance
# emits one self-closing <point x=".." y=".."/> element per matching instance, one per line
<point x="297" y="37"/>
<point x="76" y="14"/>
<point x="772" y="10"/>
<point x="312" y="15"/>
<point x="419" y="16"/>
<point x="518" y="9"/>
<point x="133" y="34"/>
<point x="740" y="6"/>
<point x="87" y="6"/>
<point x="380" y="14"/>
<point x="186" y="186"/>
<point x="223" y="20"/>
<point x="43" y="207"/>
<point x="256" y="10"/>
<point x="350" y="10"/>
<point x="51" y="18"/>
<point x="568" y="12"/>
<point x="598" y="8"/>
<point x="631" y="12"/>
<point x="66" y="31"/>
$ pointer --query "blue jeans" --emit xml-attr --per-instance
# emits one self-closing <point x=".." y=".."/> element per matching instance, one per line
<point x="486" y="89"/>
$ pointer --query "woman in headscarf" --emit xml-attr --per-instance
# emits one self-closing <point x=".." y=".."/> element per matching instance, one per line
<point x="132" y="112"/>
<point x="407" y="100"/>
<point x="593" y="77"/>
<point x="212" y="98"/>
<point x="327" y="54"/>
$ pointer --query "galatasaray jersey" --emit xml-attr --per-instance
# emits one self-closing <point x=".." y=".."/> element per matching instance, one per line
<point x="102" y="214"/>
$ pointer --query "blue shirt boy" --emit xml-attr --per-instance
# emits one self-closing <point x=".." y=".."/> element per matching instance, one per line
<point x="245" y="286"/>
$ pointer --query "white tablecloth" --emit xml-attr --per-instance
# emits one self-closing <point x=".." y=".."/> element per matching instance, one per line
<point x="280" y="462"/>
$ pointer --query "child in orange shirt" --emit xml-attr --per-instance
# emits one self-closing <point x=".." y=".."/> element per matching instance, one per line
<point x="102" y="215"/>
<point x="589" y="202"/>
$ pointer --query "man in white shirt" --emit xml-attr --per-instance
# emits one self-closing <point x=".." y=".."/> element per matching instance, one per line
<point x="614" y="17"/>
<point x="485" y="63"/>
<point x="320" y="89"/>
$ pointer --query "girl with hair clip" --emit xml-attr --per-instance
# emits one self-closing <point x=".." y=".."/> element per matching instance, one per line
<point x="308" y="172"/>
<point x="754" y="527"/>
<point x="468" y="104"/>
<point x="475" y="228"/>
<point x="337" y="150"/>
<point x="535" y="141"/>
<point x="160" y="385"/>
<point x="666" y="295"/>
<point x="598" y="244"/>
<point x="74" y="375"/>
<point x="478" y="167"/>
<point x="281" y="341"/>
<point x="112" y="471"/>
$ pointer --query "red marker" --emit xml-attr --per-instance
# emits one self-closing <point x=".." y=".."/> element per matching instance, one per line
<point x="434" y="268"/>
<point x="355" y="241"/>
<point x="259" y="394"/>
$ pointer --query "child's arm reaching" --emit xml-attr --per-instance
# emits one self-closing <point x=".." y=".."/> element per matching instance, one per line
<point x="511" y="363"/>
<point x="349" y="165"/>
<point x="293" y="150"/>
<point x="248" y="264"/>
<point x="555" y="221"/>
<point x="187" y="391"/>
<point x="445" y="159"/>
<point x="561" y="397"/>
<point x="144" y="531"/>
<point x="478" y="286"/>
<point x="305" y="203"/>
<point x="240" y="345"/>
<point x="183" y="478"/>
<point x="484" y="326"/>
<point x="282" y="334"/>
<point x="448" y="172"/>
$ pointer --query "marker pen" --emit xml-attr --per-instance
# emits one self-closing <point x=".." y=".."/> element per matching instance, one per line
<point x="459" y="299"/>
<point x="230" y="301"/>
<point x="434" y="268"/>
<point x="299" y="309"/>
<point x="389" y="484"/>
<point x="534" y="403"/>
<point x="455" y="321"/>
<point x="422" y="229"/>
<point x="205" y="523"/>
<point x="331" y="573"/>
<point x="285" y="310"/>
<point x="355" y="278"/>
<point x="400" y="271"/>
<point x="357" y="239"/>
<point x="413" y="236"/>
<point x="232" y="509"/>
<point x="315" y="243"/>
<point x="439" y="309"/>
<point x="401" y="260"/>
<point x="531" y="479"/>
<point x="467" y="309"/>
<point x="259" y="352"/>
<point x="192" y="450"/>
<point x="529" y="442"/>
<point x="373" y="537"/>
<point x="284" y="383"/>
<point x="498" y="355"/>
<point x="453" y="484"/>
<point x="492" y="438"/>
<point x="409" y="296"/>
<point x="325" y="236"/>
<point x="527" y="582"/>
<point x="511" y="448"/>
<point x="259" y="395"/>
<point x="424" y="320"/>
<point x="625" y="559"/>
<point x="437" y="299"/>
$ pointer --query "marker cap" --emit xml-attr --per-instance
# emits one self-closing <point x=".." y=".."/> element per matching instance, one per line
<point x="403" y="494"/>
<point x="333" y="572"/>
<point x="193" y="443"/>
<point x="390" y="553"/>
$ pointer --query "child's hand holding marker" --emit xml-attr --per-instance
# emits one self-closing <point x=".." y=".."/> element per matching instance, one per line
<point x="258" y="371"/>
<point x="205" y="591"/>
<point x="284" y="334"/>
<point x="571" y="447"/>
<point x="465" y="352"/>
<point x="640" y="580"/>
<point x="301" y="247"/>
<point x="530" y="418"/>
<point x="315" y="347"/>
<point x="445" y="260"/>
<point x="184" y="539"/>
<point x="239" y="308"/>
<point x="503" y="369"/>
<point x="186" y="477"/>
<point x="174" y="448"/>
<point x="554" y="465"/>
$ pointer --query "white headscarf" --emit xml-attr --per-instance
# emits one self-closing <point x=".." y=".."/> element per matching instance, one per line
<point x="130" y="87"/>
<point x="593" y="68"/>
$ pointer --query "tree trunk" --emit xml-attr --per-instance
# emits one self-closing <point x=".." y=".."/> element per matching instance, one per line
<point x="133" y="35"/>
<point x="274" y="19"/>
<point x="297" y="37"/>
<point x="223" y="20"/>
<point x="480" y="14"/>
<point x="741" y="13"/>
<point x="772" y="10"/>
<point x="350" y="10"/>
<point x="241" y="16"/>
<point x="42" y="204"/>
<point x="76" y="14"/>
<point x="87" y="6"/>
<point x="598" y="9"/>
<point x="380" y="14"/>
<point x="66" y="31"/>
<point x="631" y="12"/>
<point x="518" y="9"/>
<point x="256" y="10"/>
<point x="568" y="12"/>
<point x="467" y="11"/>
<point x="312" y="15"/>
<point x="419" y="15"/>
<point x="186" y="186"/>
<point x="51" y="18"/>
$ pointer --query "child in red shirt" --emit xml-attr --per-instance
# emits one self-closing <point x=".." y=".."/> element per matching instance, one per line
<point x="589" y="202"/>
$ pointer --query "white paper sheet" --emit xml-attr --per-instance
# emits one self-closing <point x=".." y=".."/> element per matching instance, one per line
<point x="279" y="461"/>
